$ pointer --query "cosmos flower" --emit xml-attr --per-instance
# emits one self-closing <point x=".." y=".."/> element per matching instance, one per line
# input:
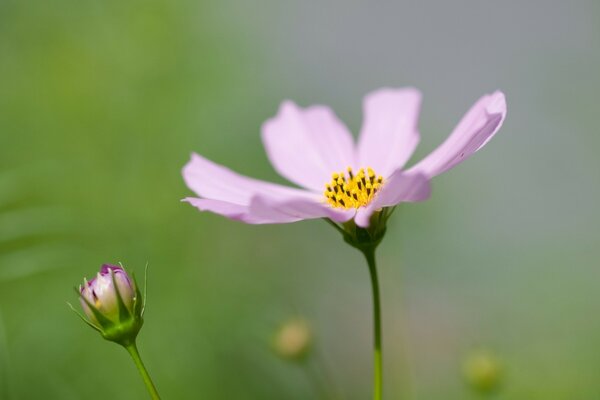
<point x="340" y="179"/>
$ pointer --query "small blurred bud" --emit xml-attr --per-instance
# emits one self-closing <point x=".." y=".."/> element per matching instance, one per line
<point x="293" y="339"/>
<point x="482" y="371"/>
<point x="113" y="304"/>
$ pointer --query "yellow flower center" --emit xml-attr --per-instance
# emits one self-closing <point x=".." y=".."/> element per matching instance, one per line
<point x="347" y="190"/>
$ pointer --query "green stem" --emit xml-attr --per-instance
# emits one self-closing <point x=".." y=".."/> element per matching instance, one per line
<point x="135" y="355"/>
<point x="377" y="357"/>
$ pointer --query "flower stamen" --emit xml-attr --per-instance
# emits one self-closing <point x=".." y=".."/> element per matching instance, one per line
<point x="348" y="190"/>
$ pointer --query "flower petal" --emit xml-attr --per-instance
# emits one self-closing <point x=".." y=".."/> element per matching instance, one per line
<point x="307" y="145"/>
<point x="296" y="209"/>
<point x="389" y="133"/>
<point x="399" y="187"/>
<point x="229" y="194"/>
<point x="268" y="210"/>
<point x="216" y="182"/>
<point x="475" y="129"/>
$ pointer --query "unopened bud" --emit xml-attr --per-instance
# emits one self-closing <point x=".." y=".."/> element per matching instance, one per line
<point x="482" y="371"/>
<point x="113" y="304"/>
<point x="293" y="339"/>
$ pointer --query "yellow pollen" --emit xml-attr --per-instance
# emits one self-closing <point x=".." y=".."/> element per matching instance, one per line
<point x="349" y="190"/>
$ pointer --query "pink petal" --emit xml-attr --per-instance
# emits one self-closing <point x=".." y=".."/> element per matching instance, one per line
<point x="307" y="145"/>
<point x="296" y="209"/>
<point x="229" y="194"/>
<point x="268" y="210"/>
<point x="475" y="129"/>
<point x="399" y="187"/>
<point x="213" y="181"/>
<point x="389" y="134"/>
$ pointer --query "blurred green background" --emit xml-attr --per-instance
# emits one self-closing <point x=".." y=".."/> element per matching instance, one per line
<point x="102" y="102"/>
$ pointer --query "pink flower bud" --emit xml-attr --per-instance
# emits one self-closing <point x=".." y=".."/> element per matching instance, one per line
<point x="100" y="292"/>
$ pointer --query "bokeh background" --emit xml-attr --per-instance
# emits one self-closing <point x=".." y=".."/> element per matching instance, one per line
<point x="102" y="102"/>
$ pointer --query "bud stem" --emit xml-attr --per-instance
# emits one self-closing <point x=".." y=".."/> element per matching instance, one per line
<point x="369" y="253"/>
<point x="135" y="355"/>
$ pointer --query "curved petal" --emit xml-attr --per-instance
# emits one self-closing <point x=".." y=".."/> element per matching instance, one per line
<point x="399" y="187"/>
<point x="389" y="133"/>
<point x="296" y="209"/>
<point x="229" y="194"/>
<point x="307" y="145"/>
<point x="475" y="129"/>
<point x="216" y="182"/>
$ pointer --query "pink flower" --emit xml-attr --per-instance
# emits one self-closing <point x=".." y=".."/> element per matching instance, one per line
<point x="341" y="179"/>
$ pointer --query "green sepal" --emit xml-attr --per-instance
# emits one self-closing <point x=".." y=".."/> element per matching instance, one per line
<point x="364" y="238"/>
<point x="84" y="319"/>
<point x="124" y="313"/>
<point x="145" y="298"/>
<point x="139" y="302"/>
<point x="125" y="332"/>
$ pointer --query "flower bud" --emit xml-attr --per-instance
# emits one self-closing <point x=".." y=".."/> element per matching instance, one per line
<point x="100" y="291"/>
<point x="482" y="372"/>
<point x="113" y="304"/>
<point x="293" y="339"/>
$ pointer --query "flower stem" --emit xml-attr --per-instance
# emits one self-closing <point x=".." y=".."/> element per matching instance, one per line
<point x="377" y="356"/>
<point x="135" y="355"/>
